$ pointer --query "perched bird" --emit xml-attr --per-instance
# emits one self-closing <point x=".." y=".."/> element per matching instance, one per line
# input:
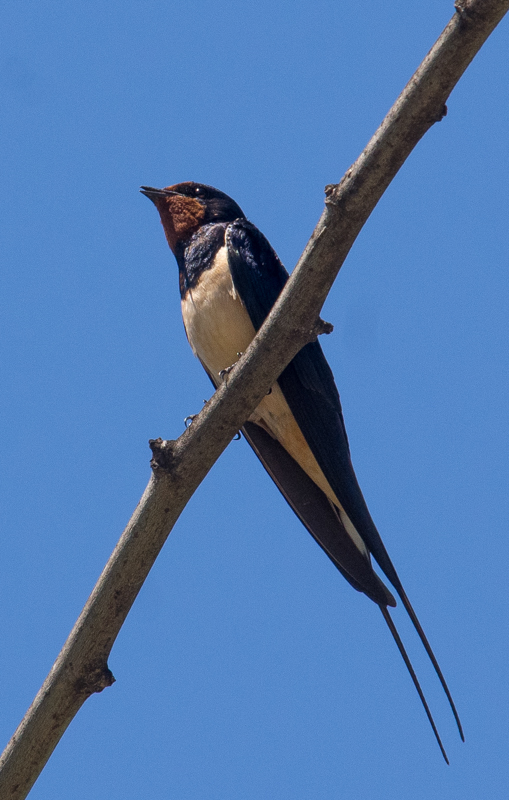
<point x="230" y="277"/>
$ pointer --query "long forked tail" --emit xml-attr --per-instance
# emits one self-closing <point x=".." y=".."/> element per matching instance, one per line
<point x="385" y="563"/>
<point x="417" y="625"/>
<point x="390" y="624"/>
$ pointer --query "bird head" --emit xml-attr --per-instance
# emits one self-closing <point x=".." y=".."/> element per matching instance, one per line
<point x="185" y="207"/>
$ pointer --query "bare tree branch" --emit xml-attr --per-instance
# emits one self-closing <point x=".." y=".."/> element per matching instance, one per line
<point x="179" y="467"/>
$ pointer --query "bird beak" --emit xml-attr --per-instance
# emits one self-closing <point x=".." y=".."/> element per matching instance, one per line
<point x="155" y="194"/>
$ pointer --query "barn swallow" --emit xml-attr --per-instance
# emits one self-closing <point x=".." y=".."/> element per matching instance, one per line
<point x="230" y="277"/>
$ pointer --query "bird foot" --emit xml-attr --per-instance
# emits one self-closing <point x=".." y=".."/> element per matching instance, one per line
<point x="223" y="374"/>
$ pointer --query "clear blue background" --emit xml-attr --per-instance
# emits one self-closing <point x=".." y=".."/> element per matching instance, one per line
<point x="248" y="668"/>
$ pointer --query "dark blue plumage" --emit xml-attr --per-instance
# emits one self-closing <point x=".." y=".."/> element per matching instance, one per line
<point x="198" y="254"/>
<point x="230" y="277"/>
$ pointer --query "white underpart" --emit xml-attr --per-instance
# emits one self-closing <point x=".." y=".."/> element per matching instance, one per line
<point x="219" y="328"/>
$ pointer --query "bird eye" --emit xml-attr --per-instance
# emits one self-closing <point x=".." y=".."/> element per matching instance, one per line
<point x="199" y="191"/>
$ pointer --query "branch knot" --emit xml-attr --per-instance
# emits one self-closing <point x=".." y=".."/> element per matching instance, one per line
<point x="461" y="6"/>
<point x="321" y="327"/>
<point x="97" y="676"/>
<point x="330" y="191"/>
<point x="162" y="454"/>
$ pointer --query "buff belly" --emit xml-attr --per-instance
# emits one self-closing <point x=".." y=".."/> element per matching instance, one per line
<point x="219" y="328"/>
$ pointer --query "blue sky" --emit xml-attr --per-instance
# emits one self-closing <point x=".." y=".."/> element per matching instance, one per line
<point x="248" y="668"/>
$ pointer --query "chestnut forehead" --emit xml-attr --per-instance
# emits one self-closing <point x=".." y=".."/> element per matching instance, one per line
<point x="179" y="187"/>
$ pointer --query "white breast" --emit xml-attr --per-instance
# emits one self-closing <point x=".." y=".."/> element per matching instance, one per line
<point x="216" y="321"/>
<point x="218" y="327"/>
